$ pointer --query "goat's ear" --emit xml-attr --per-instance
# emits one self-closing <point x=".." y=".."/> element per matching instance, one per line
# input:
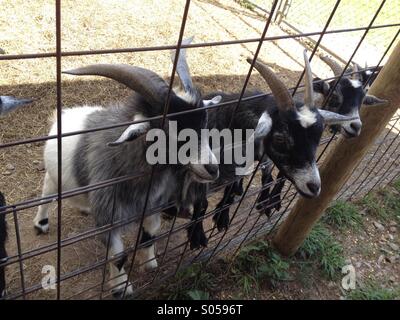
<point x="133" y="132"/>
<point x="331" y="118"/>
<point x="213" y="101"/>
<point x="264" y="126"/>
<point x="8" y="103"/>
<point x="372" y="101"/>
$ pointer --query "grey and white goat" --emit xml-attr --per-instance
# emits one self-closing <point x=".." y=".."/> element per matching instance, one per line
<point x="103" y="155"/>
<point x="346" y="99"/>
<point x="7" y="104"/>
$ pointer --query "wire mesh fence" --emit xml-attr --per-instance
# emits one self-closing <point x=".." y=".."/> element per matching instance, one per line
<point x="350" y="31"/>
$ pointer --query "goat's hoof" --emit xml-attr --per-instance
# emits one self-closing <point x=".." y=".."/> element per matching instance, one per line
<point x="259" y="206"/>
<point x="267" y="211"/>
<point x="118" y="293"/>
<point x="221" y="221"/>
<point x="41" y="226"/>
<point x="198" y="242"/>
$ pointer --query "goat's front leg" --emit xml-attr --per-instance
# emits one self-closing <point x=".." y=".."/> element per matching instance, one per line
<point x="263" y="199"/>
<point x="118" y="276"/>
<point x="275" y="198"/>
<point x="151" y="225"/>
<point x="41" y="221"/>
<point x="196" y="234"/>
<point x="221" y="217"/>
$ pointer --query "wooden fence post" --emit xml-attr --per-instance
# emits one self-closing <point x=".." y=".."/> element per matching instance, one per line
<point x="342" y="159"/>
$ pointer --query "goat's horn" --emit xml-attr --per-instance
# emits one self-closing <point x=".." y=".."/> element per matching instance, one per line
<point x="282" y="96"/>
<point x="182" y="67"/>
<point x="308" y="81"/>
<point x="145" y="82"/>
<point x="335" y="67"/>
<point x="356" y="70"/>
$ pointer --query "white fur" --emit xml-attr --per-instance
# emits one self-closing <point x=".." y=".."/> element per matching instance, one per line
<point x="355" y="83"/>
<point x="264" y="126"/>
<point x="309" y="174"/>
<point x="346" y="126"/>
<point x="72" y="120"/>
<point x="306" y="117"/>
<point x="147" y="256"/>
<point x="213" y="101"/>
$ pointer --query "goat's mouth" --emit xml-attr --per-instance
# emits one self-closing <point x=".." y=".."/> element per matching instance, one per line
<point x="349" y="134"/>
<point x="309" y="194"/>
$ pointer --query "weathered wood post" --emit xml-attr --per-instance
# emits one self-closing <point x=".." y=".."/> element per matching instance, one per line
<point x="342" y="159"/>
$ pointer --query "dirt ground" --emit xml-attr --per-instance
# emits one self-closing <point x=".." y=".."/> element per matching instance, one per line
<point x="108" y="24"/>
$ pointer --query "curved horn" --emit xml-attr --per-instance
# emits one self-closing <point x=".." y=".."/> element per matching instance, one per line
<point x="182" y="67"/>
<point x="145" y="82"/>
<point x="335" y="67"/>
<point x="283" y="98"/>
<point x="356" y="68"/>
<point x="308" y="82"/>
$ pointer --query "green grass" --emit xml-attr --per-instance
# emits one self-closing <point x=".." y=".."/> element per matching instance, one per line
<point x="258" y="263"/>
<point x="321" y="248"/>
<point x="396" y="185"/>
<point x="384" y="204"/>
<point x="194" y="282"/>
<point x="373" y="291"/>
<point x="343" y="215"/>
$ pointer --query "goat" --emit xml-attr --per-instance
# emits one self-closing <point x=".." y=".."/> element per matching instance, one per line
<point x="7" y="104"/>
<point x="288" y="131"/>
<point x="107" y="154"/>
<point x="346" y="99"/>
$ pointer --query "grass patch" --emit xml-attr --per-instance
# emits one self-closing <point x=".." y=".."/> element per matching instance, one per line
<point x="396" y="185"/>
<point x="258" y="263"/>
<point x="322" y="248"/>
<point x="195" y="282"/>
<point x="343" y="215"/>
<point x="373" y="291"/>
<point x="384" y="204"/>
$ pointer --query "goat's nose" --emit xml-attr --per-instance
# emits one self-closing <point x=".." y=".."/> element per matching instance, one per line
<point x="313" y="187"/>
<point x="212" y="169"/>
<point x="356" y="126"/>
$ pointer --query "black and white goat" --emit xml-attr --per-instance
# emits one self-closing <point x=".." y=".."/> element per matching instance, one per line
<point x="107" y="154"/>
<point x="346" y="99"/>
<point x="288" y="131"/>
<point x="7" y="104"/>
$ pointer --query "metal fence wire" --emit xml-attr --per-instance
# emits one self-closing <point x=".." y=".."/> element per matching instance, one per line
<point x="347" y="30"/>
